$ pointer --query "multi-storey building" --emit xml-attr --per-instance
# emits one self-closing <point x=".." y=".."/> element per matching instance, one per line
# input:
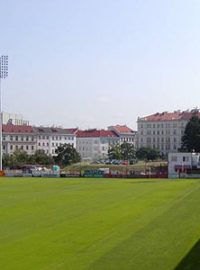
<point x="18" y="137"/>
<point x="163" y="131"/>
<point x="15" y="119"/>
<point x="30" y="138"/>
<point x="49" y="138"/>
<point x="93" y="144"/>
<point x="125" y="133"/>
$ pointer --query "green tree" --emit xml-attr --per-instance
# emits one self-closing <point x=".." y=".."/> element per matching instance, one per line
<point x="66" y="155"/>
<point x="191" y="137"/>
<point x="114" y="152"/>
<point x="127" y="151"/>
<point x="17" y="159"/>
<point x="7" y="160"/>
<point x="40" y="157"/>
<point x="147" y="153"/>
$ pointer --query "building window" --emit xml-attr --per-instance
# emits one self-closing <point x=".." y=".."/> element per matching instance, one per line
<point x="174" y="158"/>
<point x="27" y="147"/>
<point x="32" y="147"/>
<point x="11" y="147"/>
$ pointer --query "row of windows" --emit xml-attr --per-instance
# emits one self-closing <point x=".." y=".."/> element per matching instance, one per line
<point x="87" y="142"/>
<point x="88" y="149"/>
<point x="160" y="139"/>
<point x="31" y="138"/>
<point x="162" y="132"/>
<point x="126" y="139"/>
<point x="163" y="147"/>
<point x="22" y="147"/>
<point x="53" y="144"/>
<point x="184" y="158"/>
<point x="19" y="138"/>
<point x="55" y="138"/>
<point x="162" y="125"/>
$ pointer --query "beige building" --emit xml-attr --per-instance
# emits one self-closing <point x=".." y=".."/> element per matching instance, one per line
<point x="163" y="131"/>
<point x="93" y="144"/>
<point x="17" y="137"/>
<point x="125" y="134"/>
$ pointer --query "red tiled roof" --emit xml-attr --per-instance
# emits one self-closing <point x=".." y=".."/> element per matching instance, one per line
<point x="165" y="116"/>
<point x="95" y="133"/>
<point x="122" y="129"/>
<point x="17" y="129"/>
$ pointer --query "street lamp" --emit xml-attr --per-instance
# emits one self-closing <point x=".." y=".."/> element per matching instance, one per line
<point x="3" y="75"/>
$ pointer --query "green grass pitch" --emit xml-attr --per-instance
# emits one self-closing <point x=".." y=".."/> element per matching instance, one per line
<point x="99" y="224"/>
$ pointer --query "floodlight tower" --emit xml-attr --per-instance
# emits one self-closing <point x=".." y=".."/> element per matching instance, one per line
<point x="3" y="75"/>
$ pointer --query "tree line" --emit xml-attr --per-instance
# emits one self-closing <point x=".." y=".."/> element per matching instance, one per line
<point x="66" y="154"/>
<point x="127" y="151"/>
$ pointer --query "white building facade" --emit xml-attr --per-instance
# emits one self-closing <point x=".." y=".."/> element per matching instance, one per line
<point x="184" y="165"/>
<point x="30" y="139"/>
<point x="18" y="137"/>
<point x="125" y="134"/>
<point x="49" y="138"/>
<point x="94" y="144"/>
<point x="163" y="131"/>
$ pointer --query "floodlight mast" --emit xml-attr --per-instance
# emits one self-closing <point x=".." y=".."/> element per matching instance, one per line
<point x="3" y="75"/>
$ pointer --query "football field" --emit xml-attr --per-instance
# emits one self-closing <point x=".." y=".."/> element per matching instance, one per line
<point x="99" y="224"/>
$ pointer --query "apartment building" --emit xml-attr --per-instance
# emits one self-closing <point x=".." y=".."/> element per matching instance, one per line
<point x="163" y="131"/>
<point x="93" y="144"/>
<point x="30" y="139"/>
<point x="18" y="137"/>
<point x="125" y="134"/>
<point x="14" y="119"/>
<point x="49" y="138"/>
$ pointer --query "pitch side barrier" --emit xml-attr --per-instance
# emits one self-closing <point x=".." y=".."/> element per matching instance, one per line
<point x="86" y="174"/>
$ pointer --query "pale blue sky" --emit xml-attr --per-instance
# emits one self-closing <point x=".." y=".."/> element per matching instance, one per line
<point x="98" y="63"/>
